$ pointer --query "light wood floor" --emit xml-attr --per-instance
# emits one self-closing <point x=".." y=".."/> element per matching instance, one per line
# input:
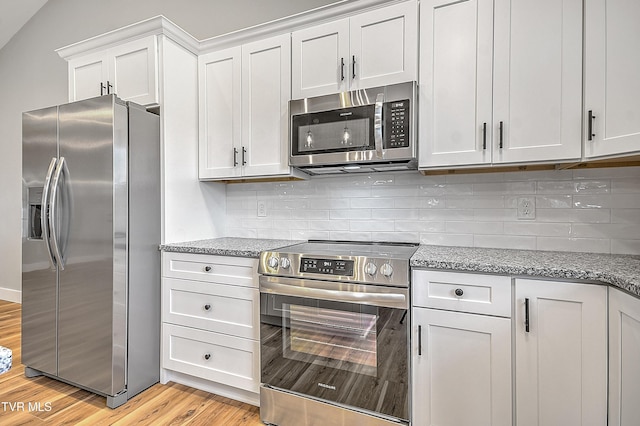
<point x="57" y="403"/>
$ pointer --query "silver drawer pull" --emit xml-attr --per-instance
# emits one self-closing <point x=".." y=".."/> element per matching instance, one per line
<point x="459" y="292"/>
<point x="207" y="356"/>
<point x="207" y="268"/>
<point x="207" y="307"/>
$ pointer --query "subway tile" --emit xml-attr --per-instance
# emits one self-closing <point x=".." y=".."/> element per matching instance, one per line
<point x="350" y="236"/>
<point x="492" y="215"/>
<point x="625" y="216"/>
<point x="242" y="232"/>
<point x="361" y="214"/>
<point x="537" y="229"/>
<point x="310" y="214"/>
<point x="478" y="202"/>
<point x="393" y="191"/>
<point x="542" y="201"/>
<point x="371" y="203"/>
<point x="573" y="215"/>
<point x="310" y="235"/>
<point x="626" y="186"/>
<point x="419" y="226"/>
<point x="425" y="190"/>
<point x="400" y="237"/>
<point x="474" y="227"/>
<point x="606" y="173"/>
<point x="262" y="223"/>
<point x="475" y="178"/>
<point x="574" y="187"/>
<point x="290" y="224"/>
<point x="328" y="225"/>
<point x="396" y="214"/>
<point x="328" y="203"/>
<point x="504" y="188"/>
<point x="609" y="201"/>
<point x="278" y="234"/>
<point x="537" y="175"/>
<point x="457" y="240"/>
<point x="519" y="242"/>
<point x="606" y="230"/>
<point x="619" y="246"/>
<point x="446" y="214"/>
<point x="370" y="225"/>
<point x="587" y="245"/>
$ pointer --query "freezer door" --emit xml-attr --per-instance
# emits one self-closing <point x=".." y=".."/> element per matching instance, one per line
<point x="39" y="285"/>
<point x="91" y="233"/>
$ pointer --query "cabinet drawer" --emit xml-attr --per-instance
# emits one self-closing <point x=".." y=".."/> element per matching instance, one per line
<point x="215" y="307"/>
<point x="474" y="293"/>
<point x="232" y="361"/>
<point x="218" y="269"/>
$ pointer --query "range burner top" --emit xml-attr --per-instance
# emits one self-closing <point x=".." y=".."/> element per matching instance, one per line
<point x="362" y="262"/>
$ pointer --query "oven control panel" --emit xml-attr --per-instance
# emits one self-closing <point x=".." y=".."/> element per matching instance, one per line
<point x="326" y="266"/>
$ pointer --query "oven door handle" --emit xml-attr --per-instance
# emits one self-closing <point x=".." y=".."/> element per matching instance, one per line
<point x="336" y="291"/>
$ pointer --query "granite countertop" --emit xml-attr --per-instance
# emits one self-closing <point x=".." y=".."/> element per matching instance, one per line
<point x="239" y="247"/>
<point x="618" y="270"/>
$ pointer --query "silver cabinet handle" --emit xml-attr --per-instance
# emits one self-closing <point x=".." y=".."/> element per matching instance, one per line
<point x="53" y="213"/>
<point x="44" y="215"/>
<point x="377" y="124"/>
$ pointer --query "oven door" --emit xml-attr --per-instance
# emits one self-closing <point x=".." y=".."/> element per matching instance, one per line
<point x="338" y="342"/>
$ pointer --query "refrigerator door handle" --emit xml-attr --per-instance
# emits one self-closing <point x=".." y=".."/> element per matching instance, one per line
<point x="53" y="214"/>
<point x="44" y="217"/>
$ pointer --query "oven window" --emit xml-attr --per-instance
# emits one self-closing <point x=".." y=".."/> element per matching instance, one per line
<point x="349" y="129"/>
<point x="352" y="354"/>
<point x="333" y="337"/>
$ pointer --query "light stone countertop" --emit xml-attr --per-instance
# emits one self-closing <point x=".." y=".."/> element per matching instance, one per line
<point x="618" y="270"/>
<point x="228" y="246"/>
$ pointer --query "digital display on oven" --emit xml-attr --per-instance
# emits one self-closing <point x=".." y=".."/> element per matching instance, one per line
<point x="327" y="266"/>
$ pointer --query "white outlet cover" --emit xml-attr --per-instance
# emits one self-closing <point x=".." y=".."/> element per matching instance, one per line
<point x="527" y="208"/>
<point x="262" y="208"/>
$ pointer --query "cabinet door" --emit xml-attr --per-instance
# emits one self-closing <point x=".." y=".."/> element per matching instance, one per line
<point x="624" y="353"/>
<point x="561" y="362"/>
<point x="612" y="86"/>
<point x="86" y="74"/>
<point x="384" y="46"/>
<point x="537" y="85"/>
<point x="320" y="59"/>
<point x="219" y="79"/>
<point x="461" y="370"/>
<point x="266" y="91"/>
<point x="133" y="71"/>
<point x="455" y="82"/>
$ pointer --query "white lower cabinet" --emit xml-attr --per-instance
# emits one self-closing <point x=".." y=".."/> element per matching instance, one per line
<point x="210" y="329"/>
<point x="624" y="358"/>
<point x="461" y="361"/>
<point x="561" y="356"/>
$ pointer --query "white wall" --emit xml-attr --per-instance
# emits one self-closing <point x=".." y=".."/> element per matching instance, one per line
<point x="596" y="210"/>
<point x="32" y="76"/>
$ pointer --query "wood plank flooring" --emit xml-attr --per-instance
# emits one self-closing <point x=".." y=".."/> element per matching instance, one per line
<point x="44" y="401"/>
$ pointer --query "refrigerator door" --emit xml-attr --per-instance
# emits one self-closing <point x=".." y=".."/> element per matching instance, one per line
<point x="91" y="236"/>
<point x="39" y="275"/>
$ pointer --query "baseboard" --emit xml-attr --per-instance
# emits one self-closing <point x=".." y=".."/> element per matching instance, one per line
<point x="10" y="295"/>
<point x="209" y="386"/>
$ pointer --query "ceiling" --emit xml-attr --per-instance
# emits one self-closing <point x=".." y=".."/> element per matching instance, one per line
<point x="14" y="14"/>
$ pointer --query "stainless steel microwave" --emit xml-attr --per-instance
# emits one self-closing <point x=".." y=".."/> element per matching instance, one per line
<point x="366" y="130"/>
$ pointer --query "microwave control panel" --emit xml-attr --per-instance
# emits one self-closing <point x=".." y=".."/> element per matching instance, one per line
<point x="396" y="124"/>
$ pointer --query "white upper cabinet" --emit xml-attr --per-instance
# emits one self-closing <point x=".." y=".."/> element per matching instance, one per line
<point x="370" y="49"/>
<point x="244" y="94"/>
<point x="612" y="86"/>
<point x="129" y="70"/>
<point x="500" y="86"/>
<point x="219" y="80"/>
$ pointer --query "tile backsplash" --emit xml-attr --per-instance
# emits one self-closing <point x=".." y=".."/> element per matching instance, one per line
<point x="588" y="210"/>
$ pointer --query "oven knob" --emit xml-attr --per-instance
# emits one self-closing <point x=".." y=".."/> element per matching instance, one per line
<point x="273" y="262"/>
<point x="370" y="269"/>
<point x="285" y="263"/>
<point x="386" y="270"/>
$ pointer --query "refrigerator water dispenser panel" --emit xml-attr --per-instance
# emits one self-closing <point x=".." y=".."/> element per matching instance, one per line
<point x="34" y="227"/>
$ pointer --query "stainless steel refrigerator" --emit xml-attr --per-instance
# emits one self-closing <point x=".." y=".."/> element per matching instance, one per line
<point x="90" y="259"/>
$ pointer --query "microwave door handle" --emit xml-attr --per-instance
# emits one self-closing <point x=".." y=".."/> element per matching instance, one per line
<point x="377" y="125"/>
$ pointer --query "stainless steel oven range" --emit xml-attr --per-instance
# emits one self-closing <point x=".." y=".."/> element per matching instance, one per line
<point x="334" y="334"/>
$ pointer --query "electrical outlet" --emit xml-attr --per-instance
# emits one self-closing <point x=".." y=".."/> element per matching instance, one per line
<point x="526" y="208"/>
<point x="262" y="208"/>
